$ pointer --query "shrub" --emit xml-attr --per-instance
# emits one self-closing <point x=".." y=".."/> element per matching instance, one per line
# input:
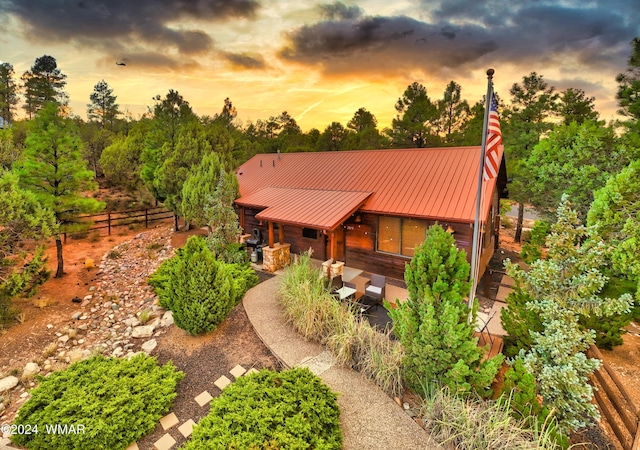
<point x="290" y="409"/>
<point x="532" y="248"/>
<point x="314" y="313"/>
<point x="433" y="324"/>
<point x="116" y="400"/>
<point x="199" y="289"/>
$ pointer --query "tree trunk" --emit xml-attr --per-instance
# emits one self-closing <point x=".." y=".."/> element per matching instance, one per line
<point x="175" y="223"/>
<point x="518" y="235"/>
<point x="60" y="270"/>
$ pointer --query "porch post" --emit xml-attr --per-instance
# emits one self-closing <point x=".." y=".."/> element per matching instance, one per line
<point x="271" y="239"/>
<point x="332" y="243"/>
<point x="242" y="218"/>
<point x="281" y="234"/>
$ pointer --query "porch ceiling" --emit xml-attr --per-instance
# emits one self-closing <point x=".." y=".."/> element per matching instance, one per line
<point x="312" y="208"/>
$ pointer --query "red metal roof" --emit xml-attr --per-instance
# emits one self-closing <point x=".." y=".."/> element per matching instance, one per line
<point x="432" y="183"/>
<point x="313" y="208"/>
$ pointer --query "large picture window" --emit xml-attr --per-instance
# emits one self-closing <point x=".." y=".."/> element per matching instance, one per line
<point x="400" y="236"/>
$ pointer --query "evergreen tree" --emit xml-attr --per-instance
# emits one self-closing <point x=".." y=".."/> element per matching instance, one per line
<point x="454" y="113"/>
<point x="433" y="324"/>
<point x="23" y="219"/>
<point x="198" y="186"/>
<point x="121" y="161"/>
<point x="169" y="114"/>
<point x="53" y="169"/>
<point x="628" y="95"/>
<point x="615" y="213"/>
<point x="8" y="92"/>
<point x="575" y="159"/>
<point x="103" y="107"/>
<point x="575" y="106"/>
<point x="42" y="84"/>
<point x="9" y="152"/>
<point x="333" y="138"/>
<point x="561" y="287"/>
<point x="416" y="122"/>
<point x="533" y="102"/>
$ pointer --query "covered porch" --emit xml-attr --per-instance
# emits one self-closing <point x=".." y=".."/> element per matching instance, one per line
<point x="295" y="220"/>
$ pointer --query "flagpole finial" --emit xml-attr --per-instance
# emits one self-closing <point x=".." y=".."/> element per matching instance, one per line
<point x="490" y="73"/>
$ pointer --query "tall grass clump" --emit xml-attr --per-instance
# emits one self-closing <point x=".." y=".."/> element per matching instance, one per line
<point x="471" y="423"/>
<point x="316" y="315"/>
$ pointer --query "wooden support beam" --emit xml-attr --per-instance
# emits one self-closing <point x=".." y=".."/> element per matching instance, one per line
<point x="332" y="245"/>
<point x="242" y="218"/>
<point x="281" y="233"/>
<point x="271" y="239"/>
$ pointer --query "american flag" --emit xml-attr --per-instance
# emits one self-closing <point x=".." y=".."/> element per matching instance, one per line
<point x="494" y="139"/>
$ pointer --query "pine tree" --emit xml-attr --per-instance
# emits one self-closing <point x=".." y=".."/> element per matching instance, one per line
<point x="53" y="169"/>
<point x="201" y="183"/>
<point x="23" y="219"/>
<point x="42" y="84"/>
<point x="433" y="324"/>
<point x="8" y="92"/>
<point x="103" y="107"/>
<point x="561" y="287"/>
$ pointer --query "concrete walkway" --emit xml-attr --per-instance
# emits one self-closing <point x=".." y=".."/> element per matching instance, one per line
<point x="368" y="417"/>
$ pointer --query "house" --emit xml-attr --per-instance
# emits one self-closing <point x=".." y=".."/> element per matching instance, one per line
<point x="368" y="208"/>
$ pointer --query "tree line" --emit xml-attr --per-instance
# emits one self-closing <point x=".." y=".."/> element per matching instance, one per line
<point x="554" y="141"/>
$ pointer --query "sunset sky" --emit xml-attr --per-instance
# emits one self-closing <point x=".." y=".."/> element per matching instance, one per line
<point x="318" y="61"/>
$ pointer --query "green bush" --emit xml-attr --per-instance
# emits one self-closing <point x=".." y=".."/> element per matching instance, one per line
<point x="314" y="313"/>
<point x="200" y="290"/>
<point x="117" y="401"/>
<point x="291" y="409"/>
<point x="433" y="324"/>
<point x="532" y="248"/>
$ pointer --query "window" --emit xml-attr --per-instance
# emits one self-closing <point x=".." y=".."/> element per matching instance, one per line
<point x="400" y="236"/>
<point x="389" y="234"/>
<point x="413" y="234"/>
<point x="310" y="233"/>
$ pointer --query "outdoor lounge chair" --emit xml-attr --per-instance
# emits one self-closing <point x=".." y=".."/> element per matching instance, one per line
<point x="375" y="287"/>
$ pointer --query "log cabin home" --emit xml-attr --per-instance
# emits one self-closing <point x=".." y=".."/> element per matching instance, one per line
<point x="368" y="208"/>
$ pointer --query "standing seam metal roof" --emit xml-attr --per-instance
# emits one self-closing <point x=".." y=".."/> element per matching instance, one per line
<point x="432" y="183"/>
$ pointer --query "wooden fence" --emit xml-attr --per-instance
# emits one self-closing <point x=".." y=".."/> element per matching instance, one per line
<point x="112" y="219"/>
<point x="615" y="404"/>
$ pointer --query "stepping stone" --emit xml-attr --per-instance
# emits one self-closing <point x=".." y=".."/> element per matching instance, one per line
<point x="222" y="382"/>
<point x="187" y="428"/>
<point x="237" y="371"/>
<point x="507" y="281"/>
<point x="203" y="398"/>
<point x="132" y="446"/>
<point x="168" y="421"/>
<point x="165" y="442"/>
<point x="502" y="293"/>
<point x="252" y="370"/>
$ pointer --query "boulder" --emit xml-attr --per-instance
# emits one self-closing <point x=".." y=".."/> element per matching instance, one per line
<point x="8" y="383"/>
<point x="149" y="346"/>
<point x="142" y="331"/>
<point x="30" y="369"/>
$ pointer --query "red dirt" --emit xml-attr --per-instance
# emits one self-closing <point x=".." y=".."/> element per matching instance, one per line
<point x="23" y="342"/>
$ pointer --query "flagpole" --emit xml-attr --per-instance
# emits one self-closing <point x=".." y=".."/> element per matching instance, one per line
<point x="475" y="254"/>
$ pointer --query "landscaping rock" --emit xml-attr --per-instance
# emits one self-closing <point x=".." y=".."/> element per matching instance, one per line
<point x="76" y="315"/>
<point x="8" y="383"/>
<point x="149" y="346"/>
<point x="142" y="331"/>
<point x="30" y="369"/>
<point x="167" y="319"/>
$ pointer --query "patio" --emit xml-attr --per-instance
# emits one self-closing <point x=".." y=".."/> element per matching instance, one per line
<point x="489" y="329"/>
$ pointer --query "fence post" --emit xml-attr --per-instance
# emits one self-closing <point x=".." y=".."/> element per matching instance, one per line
<point x="146" y="217"/>
<point x="109" y="223"/>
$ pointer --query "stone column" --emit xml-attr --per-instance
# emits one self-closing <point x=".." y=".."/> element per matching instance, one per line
<point x="276" y="257"/>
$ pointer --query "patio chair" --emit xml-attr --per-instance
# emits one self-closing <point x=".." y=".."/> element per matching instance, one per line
<point x="482" y="327"/>
<point x="376" y="287"/>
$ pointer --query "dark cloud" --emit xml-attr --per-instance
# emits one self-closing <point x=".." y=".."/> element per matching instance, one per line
<point x="245" y="60"/>
<point x="464" y="34"/>
<point x="339" y="10"/>
<point x="110" y="24"/>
